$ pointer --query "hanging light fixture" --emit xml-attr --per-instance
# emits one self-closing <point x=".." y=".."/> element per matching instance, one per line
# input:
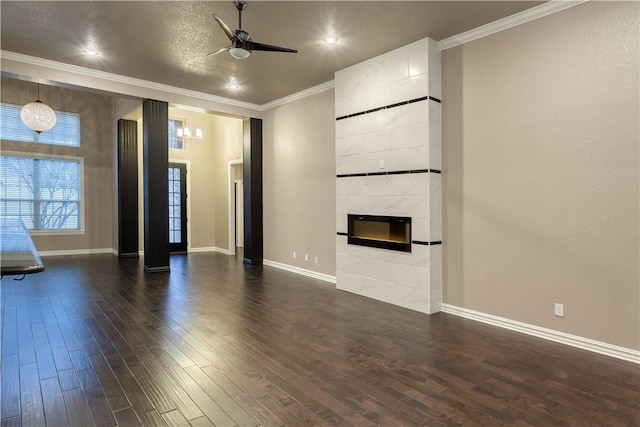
<point x="38" y="116"/>
<point x="186" y="133"/>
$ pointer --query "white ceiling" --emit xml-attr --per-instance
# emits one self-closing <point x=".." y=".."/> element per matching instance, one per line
<point x="168" y="41"/>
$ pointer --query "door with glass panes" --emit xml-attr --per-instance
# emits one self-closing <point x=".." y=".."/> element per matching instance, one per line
<point x="177" y="207"/>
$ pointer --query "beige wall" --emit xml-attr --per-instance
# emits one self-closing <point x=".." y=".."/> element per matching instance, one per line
<point x="227" y="138"/>
<point x="541" y="136"/>
<point x="98" y="133"/>
<point x="208" y="169"/>
<point x="299" y="183"/>
<point x="207" y="161"/>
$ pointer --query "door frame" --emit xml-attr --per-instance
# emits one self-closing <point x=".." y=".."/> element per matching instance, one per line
<point x="232" y="178"/>
<point x="238" y="213"/>
<point x="188" y="166"/>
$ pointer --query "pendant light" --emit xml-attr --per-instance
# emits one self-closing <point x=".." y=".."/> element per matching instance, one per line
<point x="38" y="116"/>
<point x="186" y="133"/>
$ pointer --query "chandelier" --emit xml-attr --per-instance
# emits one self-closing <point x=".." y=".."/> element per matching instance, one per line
<point x="38" y="116"/>
<point x="186" y="133"/>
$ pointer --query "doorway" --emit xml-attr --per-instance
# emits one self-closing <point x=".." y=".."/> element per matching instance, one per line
<point x="177" y="207"/>
<point x="236" y="206"/>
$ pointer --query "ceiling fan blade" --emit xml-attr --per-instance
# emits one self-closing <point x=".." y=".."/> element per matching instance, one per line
<point x="270" y="48"/>
<point x="224" y="27"/>
<point x="224" y="49"/>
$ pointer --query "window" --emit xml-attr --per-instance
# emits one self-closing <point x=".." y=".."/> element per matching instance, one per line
<point x="175" y="141"/>
<point x="43" y="193"/>
<point x="65" y="132"/>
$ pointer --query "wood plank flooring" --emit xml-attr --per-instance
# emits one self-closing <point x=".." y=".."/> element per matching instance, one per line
<point x="94" y="340"/>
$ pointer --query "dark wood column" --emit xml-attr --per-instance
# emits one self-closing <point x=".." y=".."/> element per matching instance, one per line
<point x="127" y="188"/>
<point x="155" y="160"/>
<point x="252" y="177"/>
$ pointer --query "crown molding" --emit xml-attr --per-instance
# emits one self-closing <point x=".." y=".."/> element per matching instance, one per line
<point x="520" y="18"/>
<point x="298" y="95"/>
<point x="74" y="69"/>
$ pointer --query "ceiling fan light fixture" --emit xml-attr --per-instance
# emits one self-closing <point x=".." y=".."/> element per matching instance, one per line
<point x="241" y="44"/>
<point x="239" y="53"/>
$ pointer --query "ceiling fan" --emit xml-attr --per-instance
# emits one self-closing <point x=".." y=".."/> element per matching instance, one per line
<point x="241" y="44"/>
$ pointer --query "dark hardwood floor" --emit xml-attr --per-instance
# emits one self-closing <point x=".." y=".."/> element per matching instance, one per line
<point x="94" y="340"/>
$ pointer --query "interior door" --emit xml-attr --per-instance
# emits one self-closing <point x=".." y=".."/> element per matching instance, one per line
<point x="177" y="207"/>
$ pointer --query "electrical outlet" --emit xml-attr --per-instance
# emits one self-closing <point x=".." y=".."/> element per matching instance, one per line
<point x="306" y="257"/>
<point x="315" y="260"/>
<point x="294" y="254"/>
<point x="559" y="310"/>
<point x="381" y="164"/>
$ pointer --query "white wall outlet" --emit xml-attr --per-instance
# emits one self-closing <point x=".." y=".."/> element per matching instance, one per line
<point x="315" y="260"/>
<point x="559" y="309"/>
<point x="381" y="164"/>
<point x="306" y="257"/>
<point x="294" y="254"/>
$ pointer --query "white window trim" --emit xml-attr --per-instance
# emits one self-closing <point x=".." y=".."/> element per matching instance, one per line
<point x="43" y="156"/>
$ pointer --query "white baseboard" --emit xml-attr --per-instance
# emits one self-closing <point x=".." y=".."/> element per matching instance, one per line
<point x="573" y="340"/>
<point x="203" y="249"/>
<point x="302" y="271"/>
<point x="78" y="252"/>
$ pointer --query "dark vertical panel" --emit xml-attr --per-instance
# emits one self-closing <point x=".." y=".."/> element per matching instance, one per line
<point x="127" y="188"/>
<point x="252" y="177"/>
<point x="155" y="128"/>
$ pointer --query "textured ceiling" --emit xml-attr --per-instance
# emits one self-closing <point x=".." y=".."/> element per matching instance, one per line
<point x="168" y="42"/>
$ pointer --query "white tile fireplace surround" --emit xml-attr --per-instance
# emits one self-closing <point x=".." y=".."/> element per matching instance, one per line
<point x="388" y="164"/>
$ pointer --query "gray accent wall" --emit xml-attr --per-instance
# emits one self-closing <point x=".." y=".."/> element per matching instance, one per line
<point x="98" y="142"/>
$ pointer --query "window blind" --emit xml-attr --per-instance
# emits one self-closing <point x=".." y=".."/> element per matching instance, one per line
<point x="43" y="193"/>
<point x="65" y="132"/>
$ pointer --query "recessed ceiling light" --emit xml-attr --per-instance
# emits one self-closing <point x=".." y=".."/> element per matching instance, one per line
<point x="91" y="52"/>
<point x="331" y="39"/>
<point x="233" y="85"/>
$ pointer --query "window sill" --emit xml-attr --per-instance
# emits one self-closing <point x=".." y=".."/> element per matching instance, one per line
<point x="56" y="232"/>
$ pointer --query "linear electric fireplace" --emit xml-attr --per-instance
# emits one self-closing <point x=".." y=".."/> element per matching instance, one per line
<point x="386" y="232"/>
